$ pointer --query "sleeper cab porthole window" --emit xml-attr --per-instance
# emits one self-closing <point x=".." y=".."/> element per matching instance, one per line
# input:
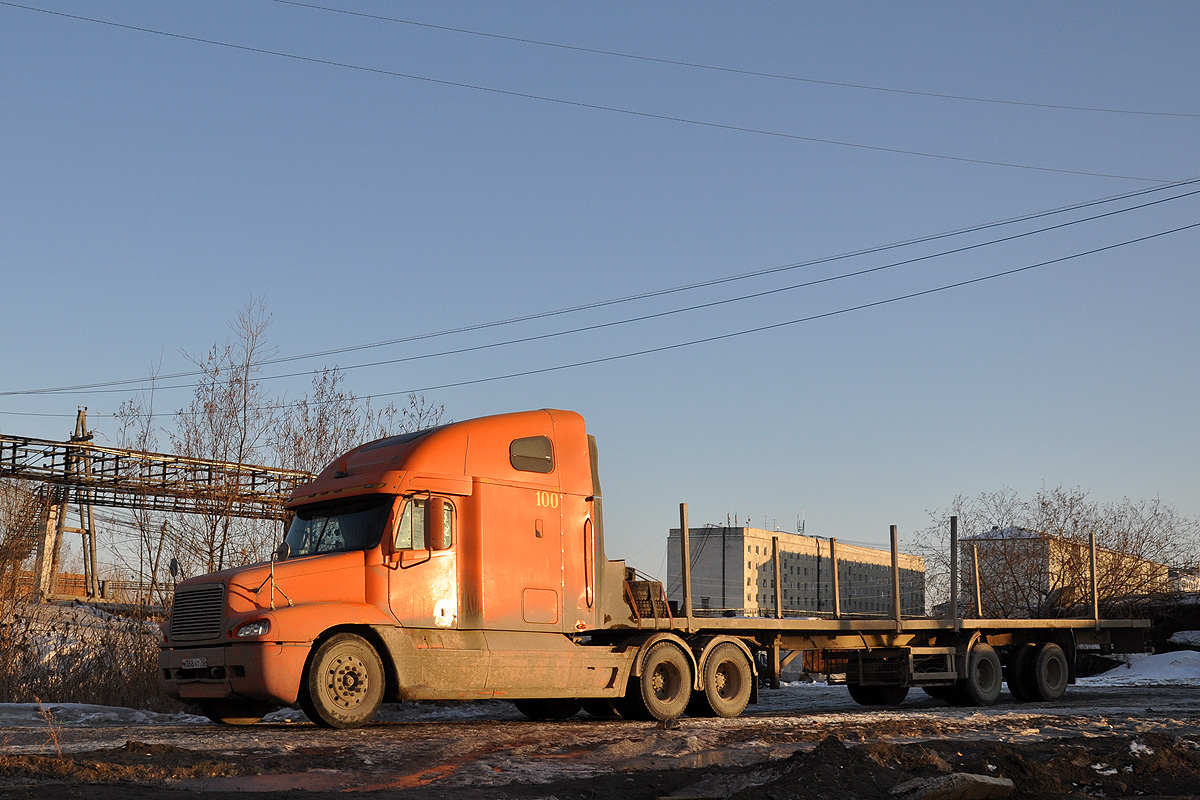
<point x="532" y="454"/>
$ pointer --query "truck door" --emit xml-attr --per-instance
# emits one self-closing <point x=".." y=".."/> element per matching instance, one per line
<point x="423" y="581"/>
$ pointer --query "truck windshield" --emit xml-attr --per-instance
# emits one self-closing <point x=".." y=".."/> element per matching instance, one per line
<point x="339" y="527"/>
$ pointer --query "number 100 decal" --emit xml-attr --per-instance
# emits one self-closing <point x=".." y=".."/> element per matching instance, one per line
<point x="547" y="499"/>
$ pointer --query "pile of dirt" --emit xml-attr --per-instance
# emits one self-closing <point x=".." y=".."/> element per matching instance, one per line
<point x="1153" y="764"/>
<point x="132" y="762"/>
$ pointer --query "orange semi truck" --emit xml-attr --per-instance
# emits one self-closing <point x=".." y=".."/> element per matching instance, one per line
<point x="467" y="561"/>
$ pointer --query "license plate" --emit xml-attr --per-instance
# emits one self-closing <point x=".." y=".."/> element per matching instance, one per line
<point x="194" y="663"/>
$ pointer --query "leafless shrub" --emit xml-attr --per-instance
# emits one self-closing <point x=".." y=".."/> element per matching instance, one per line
<point x="77" y="655"/>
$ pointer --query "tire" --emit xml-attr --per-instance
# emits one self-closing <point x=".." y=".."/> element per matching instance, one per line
<point x="939" y="692"/>
<point x="344" y="683"/>
<point x="601" y="708"/>
<point x="981" y="685"/>
<point x="665" y="686"/>
<point x="728" y="680"/>
<point x="231" y="711"/>
<point x="1016" y="672"/>
<point x="1049" y="673"/>
<point x="550" y="708"/>
<point x="877" y="695"/>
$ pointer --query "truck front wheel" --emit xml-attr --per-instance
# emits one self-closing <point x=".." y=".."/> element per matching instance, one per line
<point x="344" y="684"/>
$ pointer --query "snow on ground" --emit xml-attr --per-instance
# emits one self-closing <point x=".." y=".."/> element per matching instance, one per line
<point x="1180" y="668"/>
<point x="1186" y="638"/>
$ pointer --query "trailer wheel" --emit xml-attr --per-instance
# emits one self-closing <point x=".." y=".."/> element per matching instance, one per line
<point x="939" y="691"/>
<point x="872" y="695"/>
<point x="1050" y="673"/>
<point x="981" y="685"/>
<point x="1016" y="672"/>
<point x="343" y="686"/>
<point x="666" y="683"/>
<point x="234" y="711"/>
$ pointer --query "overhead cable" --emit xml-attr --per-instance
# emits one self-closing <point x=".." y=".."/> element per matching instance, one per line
<point x="594" y="106"/>
<point x="641" y="296"/>
<point x="736" y="71"/>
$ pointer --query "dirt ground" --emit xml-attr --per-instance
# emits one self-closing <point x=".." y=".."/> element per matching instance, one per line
<point x="809" y="742"/>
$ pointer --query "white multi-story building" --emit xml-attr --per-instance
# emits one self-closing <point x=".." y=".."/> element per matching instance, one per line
<point x="733" y="571"/>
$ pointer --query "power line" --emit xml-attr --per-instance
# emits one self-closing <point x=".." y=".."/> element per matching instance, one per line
<point x="712" y="303"/>
<point x="591" y="106"/>
<point x="641" y="296"/>
<point x="776" y="325"/>
<point x="773" y="326"/>
<point x="736" y="71"/>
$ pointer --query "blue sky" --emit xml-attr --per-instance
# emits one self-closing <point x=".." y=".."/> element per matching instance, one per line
<point x="153" y="184"/>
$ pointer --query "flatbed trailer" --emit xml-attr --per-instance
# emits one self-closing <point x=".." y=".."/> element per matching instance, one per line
<point x="467" y="562"/>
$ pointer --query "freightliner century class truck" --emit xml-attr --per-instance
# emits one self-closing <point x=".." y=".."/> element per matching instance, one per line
<point x="467" y="561"/>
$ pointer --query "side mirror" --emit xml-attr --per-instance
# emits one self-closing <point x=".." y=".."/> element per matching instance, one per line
<point x="282" y="552"/>
<point x="436" y="534"/>
<point x="174" y="567"/>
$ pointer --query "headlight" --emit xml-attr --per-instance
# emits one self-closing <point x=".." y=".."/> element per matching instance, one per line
<point x="257" y="628"/>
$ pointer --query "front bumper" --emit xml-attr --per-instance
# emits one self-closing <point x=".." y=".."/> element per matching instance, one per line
<point x="268" y="671"/>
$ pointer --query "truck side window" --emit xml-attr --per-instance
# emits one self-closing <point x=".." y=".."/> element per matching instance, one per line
<point x="410" y="533"/>
<point x="532" y="454"/>
<point x="448" y="524"/>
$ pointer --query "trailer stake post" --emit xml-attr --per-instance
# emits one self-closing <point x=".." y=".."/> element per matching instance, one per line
<point x="1095" y="592"/>
<point x="978" y="592"/>
<point x="686" y="565"/>
<point x="778" y="575"/>
<point x="896" y="613"/>
<point x="837" y="596"/>
<point x="954" y="574"/>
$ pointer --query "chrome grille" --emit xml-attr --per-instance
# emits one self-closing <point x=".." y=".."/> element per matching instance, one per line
<point x="197" y="612"/>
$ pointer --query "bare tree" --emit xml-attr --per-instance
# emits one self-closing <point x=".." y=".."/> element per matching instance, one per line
<point x="331" y="420"/>
<point x="228" y="419"/>
<point x="1034" y="553"/>
<point x="137" y="430"/>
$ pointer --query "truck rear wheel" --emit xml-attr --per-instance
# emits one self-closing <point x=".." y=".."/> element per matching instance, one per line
<point x="550" y="708"/>
<point x="1050" y="673"/>
<point x="728" y="681"/>
<point x="877" y="695"/>
<point x="344" y="684"/>
<point x="234" y="711"/>
<point x="981" y="685"/>
<point x="665" y="685"/>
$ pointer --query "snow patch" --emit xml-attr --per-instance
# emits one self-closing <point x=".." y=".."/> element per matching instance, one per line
<point x="1180" y="667"/>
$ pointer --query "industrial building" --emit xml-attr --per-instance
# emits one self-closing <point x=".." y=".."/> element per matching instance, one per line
<point x="733" y="573"/>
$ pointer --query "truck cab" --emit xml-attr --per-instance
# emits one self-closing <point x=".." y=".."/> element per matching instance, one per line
<point x="463" y="561"/>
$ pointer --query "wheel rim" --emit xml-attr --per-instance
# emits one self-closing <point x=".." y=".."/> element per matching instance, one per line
<point x="985" y="674"/>
<point x="728" y="681"/>
<point x="347" y="682"/>
<point x="1054" y="674"/>
<point x="665" y="683"/>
